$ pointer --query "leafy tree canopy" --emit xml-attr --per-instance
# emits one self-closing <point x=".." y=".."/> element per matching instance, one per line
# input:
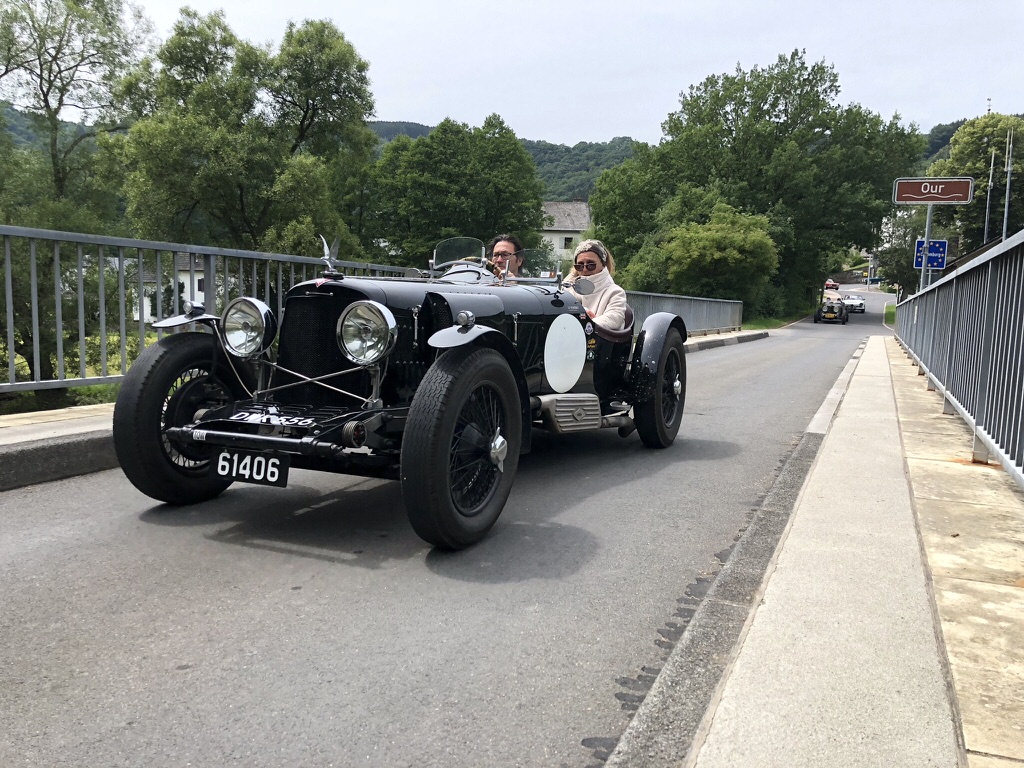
<point x="978" y="149"/>
<point x="236" y="145"/>
<point x="59" y="57"/>
<point x="772" y="142"/>
<point x="457" y="181"/>
<point x="729" y="256"/>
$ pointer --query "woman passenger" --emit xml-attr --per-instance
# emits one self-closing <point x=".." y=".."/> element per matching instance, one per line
<point x="606" y="306"/>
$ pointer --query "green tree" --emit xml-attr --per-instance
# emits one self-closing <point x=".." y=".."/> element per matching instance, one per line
<point x="24" y="196"/>
<point x="456" y="181"/>
<point x="774" y="142"/>
<point x="978" y="148"/>
<point x="238" y="146"/>
<point x="895" y="254"/>
<point x="731" y="256"/>
<point x="626" y="201"/>
<point x="58" y="62"/>
<point x="61" y="57"/>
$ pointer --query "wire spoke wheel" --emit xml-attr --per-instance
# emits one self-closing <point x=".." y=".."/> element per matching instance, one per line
<point x="473" y="468"/>
<point x="658" y="419"/>
<point x="167" y="386"/>
<point x="460" y="451"/>
<point x="192" y="391"/>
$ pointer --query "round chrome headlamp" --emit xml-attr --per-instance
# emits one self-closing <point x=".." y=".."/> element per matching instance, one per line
<point x="366" y="332"/>
<point x="249" y="327"/>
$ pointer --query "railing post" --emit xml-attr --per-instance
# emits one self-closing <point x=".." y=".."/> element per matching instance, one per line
<point x="58" y="310"/>
<point x="34" y="282"/>
<point x="9" y="296"/>
<point x="979" y="452"/>
<point x="951" y="338"/>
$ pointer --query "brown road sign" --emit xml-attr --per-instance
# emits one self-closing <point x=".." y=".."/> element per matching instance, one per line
<point x="957" y="190"/>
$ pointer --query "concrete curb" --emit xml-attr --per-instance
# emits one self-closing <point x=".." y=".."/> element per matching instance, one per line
<point x="697" y="343"/>
<point x="55" y="458"/>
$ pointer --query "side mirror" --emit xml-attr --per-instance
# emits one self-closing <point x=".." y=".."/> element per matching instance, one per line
<point x="583" y="286"/>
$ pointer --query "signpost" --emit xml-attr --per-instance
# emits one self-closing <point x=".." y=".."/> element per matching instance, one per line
<point x="952" y="191"/>
<point x="957" y="190"/>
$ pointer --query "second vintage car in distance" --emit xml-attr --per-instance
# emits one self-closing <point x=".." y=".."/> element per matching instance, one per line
<point x="435" y="378"/>
<point x="854" y="302"/>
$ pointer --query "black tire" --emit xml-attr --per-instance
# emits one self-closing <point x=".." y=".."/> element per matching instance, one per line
<point x="658" y="419"/>
<point x="169" y="382"/>
<point x="464" y="415"/>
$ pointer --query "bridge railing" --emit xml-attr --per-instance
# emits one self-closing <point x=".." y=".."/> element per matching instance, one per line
<point x="85" y="304"/>
<point x="702" y="316"/>
<point x="966" y="333"/>
<point x="104" y="292"/>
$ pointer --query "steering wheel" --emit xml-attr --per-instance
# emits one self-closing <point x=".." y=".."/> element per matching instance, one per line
<point x="466" y="271"/>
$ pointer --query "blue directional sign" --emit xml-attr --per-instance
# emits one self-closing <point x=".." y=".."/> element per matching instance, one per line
<point x="936" y="254"/>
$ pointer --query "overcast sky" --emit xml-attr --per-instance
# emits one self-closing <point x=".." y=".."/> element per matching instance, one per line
<point x="566" y="71"/>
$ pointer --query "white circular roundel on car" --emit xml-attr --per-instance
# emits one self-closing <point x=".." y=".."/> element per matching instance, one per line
<point x="565" y="352"/>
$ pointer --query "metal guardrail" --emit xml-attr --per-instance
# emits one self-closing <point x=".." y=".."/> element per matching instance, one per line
<point x="702" y="316"/>
<point x="966" y="333"/>
<point x="87" y="301"/>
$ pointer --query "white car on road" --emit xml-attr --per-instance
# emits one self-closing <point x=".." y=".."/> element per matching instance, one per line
<point x="854" y="302"/>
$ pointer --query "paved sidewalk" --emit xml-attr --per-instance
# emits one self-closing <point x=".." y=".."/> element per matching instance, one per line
<point x="889" y="628"/>
<point x="50" y="445"/>
<point x="971" y="521"/>
<point x="840" y="664"/>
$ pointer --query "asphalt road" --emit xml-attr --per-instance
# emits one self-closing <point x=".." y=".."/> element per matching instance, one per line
<point x="311" y="627"/>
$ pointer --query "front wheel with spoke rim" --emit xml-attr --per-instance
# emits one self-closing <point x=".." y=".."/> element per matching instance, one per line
<point x="167" y="386"/>
<point x="460" y="450"/>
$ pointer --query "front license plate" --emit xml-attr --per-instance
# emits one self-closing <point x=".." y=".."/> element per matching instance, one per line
<point x="830" y="316"/>
<point x="250" y="467"/>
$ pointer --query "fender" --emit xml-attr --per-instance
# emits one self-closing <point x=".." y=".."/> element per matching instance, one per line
<point x="643" y="369"/>
<point x="480" y="312"/>
<point x="199" y="316"/>
<point x="458" y="335"/>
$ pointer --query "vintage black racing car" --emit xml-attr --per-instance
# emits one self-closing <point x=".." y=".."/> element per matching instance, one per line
<point x="435" y="379"/>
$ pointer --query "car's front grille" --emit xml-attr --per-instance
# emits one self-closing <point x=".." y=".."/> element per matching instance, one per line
<point x="308" y="346"/>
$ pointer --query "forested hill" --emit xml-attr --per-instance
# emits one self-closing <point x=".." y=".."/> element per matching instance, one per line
<point x="568" y="173"/>
<point x="388" y="130"/>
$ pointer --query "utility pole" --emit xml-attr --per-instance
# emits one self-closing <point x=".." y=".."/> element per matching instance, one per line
<point x="1009" y="167"/>
<point x="988" y="193"/>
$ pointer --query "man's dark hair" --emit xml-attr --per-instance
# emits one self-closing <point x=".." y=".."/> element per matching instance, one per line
<point x="507" y="238"/>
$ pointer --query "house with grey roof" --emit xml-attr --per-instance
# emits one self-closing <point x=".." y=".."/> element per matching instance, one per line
<point x="569" y="222"/>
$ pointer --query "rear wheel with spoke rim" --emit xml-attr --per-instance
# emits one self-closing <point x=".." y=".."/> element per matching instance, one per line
<point x="658" y="419"/>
